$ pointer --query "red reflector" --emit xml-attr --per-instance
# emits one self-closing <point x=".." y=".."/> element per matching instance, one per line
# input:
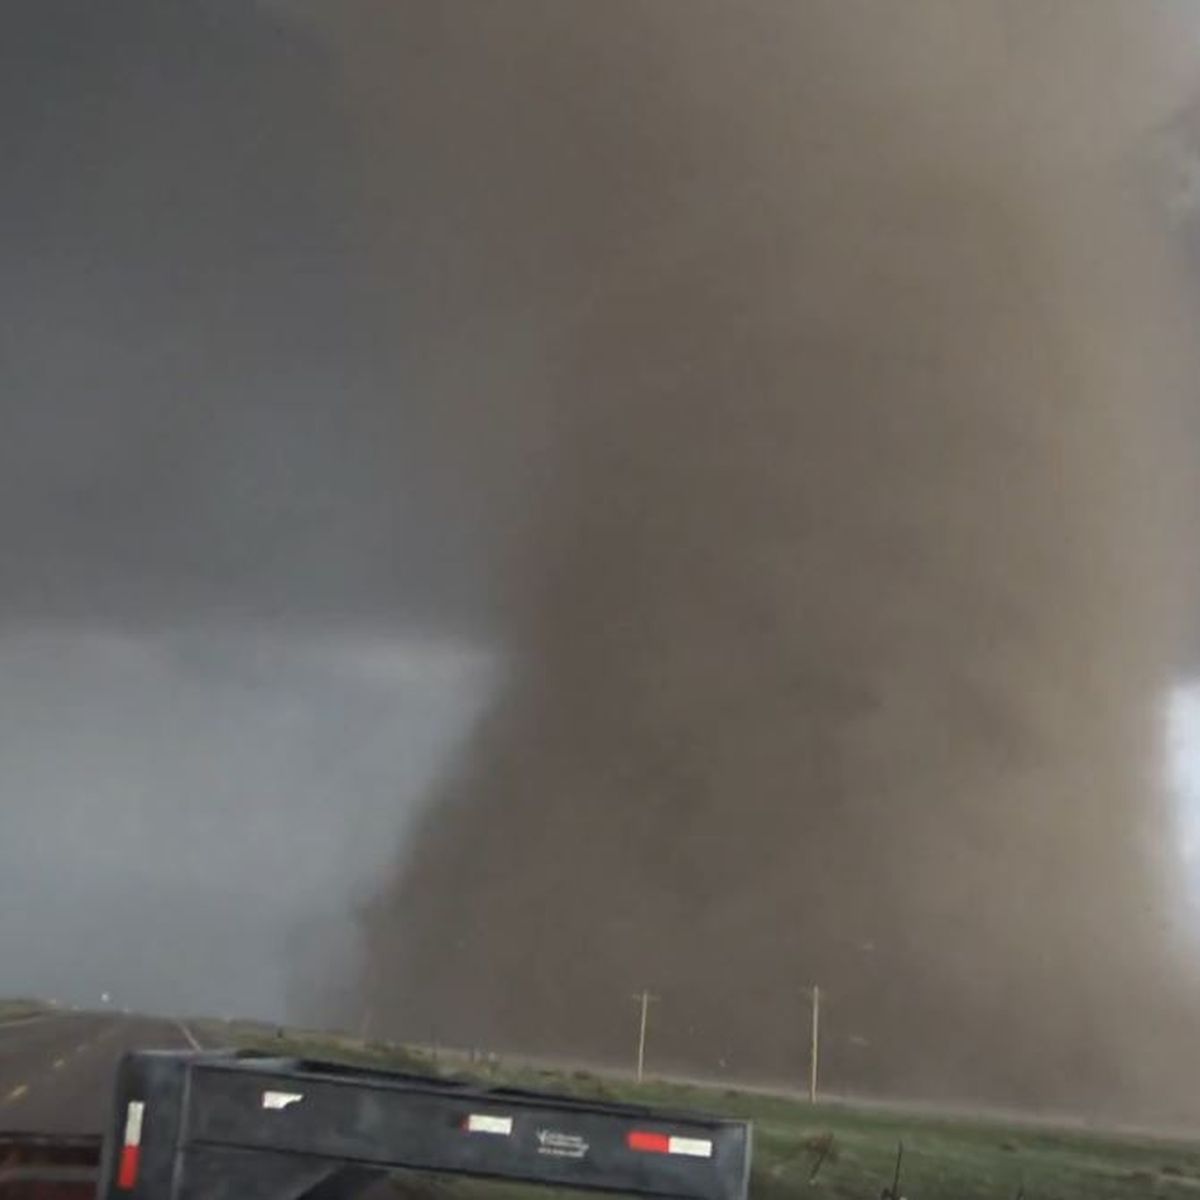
<point x="127" y="1172"/>
<point x="653" y="1143"/>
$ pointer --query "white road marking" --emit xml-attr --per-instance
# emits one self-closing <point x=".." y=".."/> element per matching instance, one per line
<point x="58" y="1062"/>
<point x="16" y="1093"/>
<point x="187" y="1033"/>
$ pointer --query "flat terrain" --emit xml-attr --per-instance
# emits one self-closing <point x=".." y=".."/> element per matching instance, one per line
<point x="10" y="1010"/>
<point x="57" y="1068"/>
<point x="839" y="1152"/>
<point x="56" y="1072"/>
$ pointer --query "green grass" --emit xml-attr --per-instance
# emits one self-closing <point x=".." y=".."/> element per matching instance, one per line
<point x="14" y="1010"/>
<point x="944" y="1159"/>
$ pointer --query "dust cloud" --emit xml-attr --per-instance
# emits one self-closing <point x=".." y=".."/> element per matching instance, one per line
<point x="834" y="351"/>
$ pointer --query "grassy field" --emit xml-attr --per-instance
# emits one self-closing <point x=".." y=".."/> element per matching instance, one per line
<point x="829" y="1152"/>
<point x="14" y="1010"/>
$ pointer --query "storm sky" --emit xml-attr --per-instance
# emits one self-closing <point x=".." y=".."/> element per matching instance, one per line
<point x="482" y="480"/>
<point x="243" y="614"/>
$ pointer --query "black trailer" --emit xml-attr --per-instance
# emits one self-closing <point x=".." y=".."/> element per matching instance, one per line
<point x="231" y="1127"/>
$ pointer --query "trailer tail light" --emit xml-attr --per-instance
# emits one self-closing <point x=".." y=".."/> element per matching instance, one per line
<point x="181" y="1120"/>
<point x="664" y="1143"/>
<point x="131" y="1149"/>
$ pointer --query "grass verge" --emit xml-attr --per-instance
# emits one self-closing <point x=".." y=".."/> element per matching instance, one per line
<point x="821" y="1152"/>
<point x="16" y="1010"/>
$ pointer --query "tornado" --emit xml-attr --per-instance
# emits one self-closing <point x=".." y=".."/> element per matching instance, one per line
<point x="826" y="365"/>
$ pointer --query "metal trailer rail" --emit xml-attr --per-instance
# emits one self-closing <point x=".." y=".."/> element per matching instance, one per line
<point x="230" y="1127"/>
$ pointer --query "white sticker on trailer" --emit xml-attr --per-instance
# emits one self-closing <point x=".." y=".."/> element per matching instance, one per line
<point x="696" y="1147"/>
<point x="133" y="1122"/>
<point x="482" y="1123"/>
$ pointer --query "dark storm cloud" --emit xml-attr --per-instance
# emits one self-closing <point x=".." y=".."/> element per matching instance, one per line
<point x="237" y="643"/>
<point x="200" y="412"/>
<point x="787" y="389"/>
<point x="855" y="588"/>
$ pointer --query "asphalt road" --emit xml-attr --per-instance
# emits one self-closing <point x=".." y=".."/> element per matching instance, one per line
<point x="56" y="1072"/>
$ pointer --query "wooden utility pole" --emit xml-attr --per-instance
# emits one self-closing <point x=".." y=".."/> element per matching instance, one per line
<point x="645" y="999"/>
<point x="816" y="1042"/>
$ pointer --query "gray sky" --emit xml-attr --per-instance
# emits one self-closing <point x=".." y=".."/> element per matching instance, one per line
<point x="185" y="812"/>
<point x="207" y="411"/>
<point x="242" y="613"/>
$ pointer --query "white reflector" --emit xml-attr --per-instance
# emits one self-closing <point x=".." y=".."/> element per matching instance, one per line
<point x="481" y="1123"/>
<point x="696" y="1147"/>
